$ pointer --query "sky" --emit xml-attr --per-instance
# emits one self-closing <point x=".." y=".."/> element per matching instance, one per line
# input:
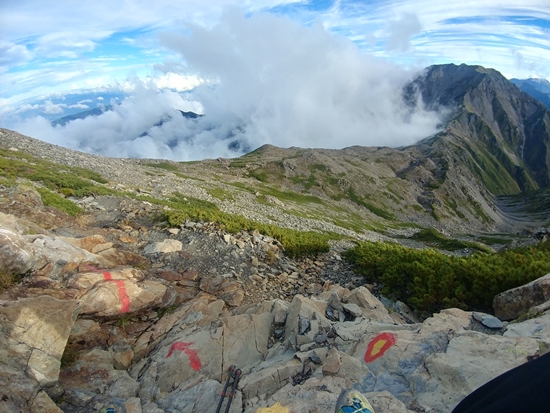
<point x="289" y="73"/>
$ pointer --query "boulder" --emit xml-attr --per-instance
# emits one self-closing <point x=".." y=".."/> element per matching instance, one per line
<point x="536" y="328"/>
<point x="56" y="256"/>
<point x="43" y="404"/>
<point x="304" y="320"/>
<point x="372" y="308"/>
<point x="33" y="335"/>
<point x="92" y="376"/>
<point x="434" y="365"/>
<point x="115" y="297"/>
<point x="510" y="304"/>
<point x="164" y="247"/>
<point x="228" y="291"/>
<point x="16" y="255"/>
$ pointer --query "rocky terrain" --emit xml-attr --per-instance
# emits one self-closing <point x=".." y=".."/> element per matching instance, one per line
<point x="116" y="306"/>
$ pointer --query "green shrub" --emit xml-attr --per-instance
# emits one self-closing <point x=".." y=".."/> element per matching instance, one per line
<point x="220" y="193"/>
<point x="88" y="174"/>
<point x="73" y="181"/>
<point x="260" y="176"/>
<point x="52" y="199"/>
<point x="428" y="280"/>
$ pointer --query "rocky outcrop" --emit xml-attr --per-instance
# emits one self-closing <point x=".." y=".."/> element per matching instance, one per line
<point x="33" y="336"/>
<point x="16" y="256"/>
<point x="510" y="304"/>
<point x="432" y="365"/>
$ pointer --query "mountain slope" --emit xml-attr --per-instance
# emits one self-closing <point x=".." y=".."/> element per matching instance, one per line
<point x="503" y="134"/>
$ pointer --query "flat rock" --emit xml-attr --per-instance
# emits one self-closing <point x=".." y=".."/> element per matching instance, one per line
<point x="164" y="247"/>
<point x="33" y="335"/>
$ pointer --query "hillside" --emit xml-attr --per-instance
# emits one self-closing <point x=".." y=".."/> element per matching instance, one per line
<point x="110" y="303"/>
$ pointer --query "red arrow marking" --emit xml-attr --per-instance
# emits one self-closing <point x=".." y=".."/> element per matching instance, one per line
<point x="378" y="346"/>
<point x="194" y="360"/>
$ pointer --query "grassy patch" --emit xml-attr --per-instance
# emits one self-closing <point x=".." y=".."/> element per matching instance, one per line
<point x="88" y="174"/>
<point x="494" y="240"/>
<point x="52" y="199"/>
<point x="259" y="175"/>
<point x="220" y="193"/>
<point x="6" y="280"/>
<point x="292" y="196"/>
<point x="372" y="208"/>
<point x="317" y="167"/>
<point x="74" y="181"/>
<point x="242" y="186"/>
<point x="306" y="183"/>
<point x="295" y="243"/>
<point x="183" y="176"/>
<point x="434" y="238"/>
<point x="352" y="163"/>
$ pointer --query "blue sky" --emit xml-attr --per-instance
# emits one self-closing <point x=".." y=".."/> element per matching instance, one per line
<point x="50" y="49"/>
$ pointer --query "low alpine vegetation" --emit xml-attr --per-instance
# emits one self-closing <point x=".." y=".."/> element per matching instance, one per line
<point x="429" y="280"/>
<point x="295" y="243"/>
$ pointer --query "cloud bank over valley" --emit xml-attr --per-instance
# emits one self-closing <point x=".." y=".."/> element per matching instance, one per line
<point x="257" y="80"/>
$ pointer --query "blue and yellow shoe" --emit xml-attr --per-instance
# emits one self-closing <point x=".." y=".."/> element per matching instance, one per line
<point x="351" y="401"/>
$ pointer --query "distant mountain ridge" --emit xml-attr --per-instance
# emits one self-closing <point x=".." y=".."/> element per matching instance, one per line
<point x="81" y="115"/>
<point x="100" y="110"/>
<point x="538" y="88"/>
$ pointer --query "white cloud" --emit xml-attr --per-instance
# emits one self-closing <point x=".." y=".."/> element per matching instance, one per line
<point x="175" y="81"/>
<point x="27" y="107"/>
<point x="100" y="98"/>
<point x="13" y="55"/>
<point x="52" y="108"/>
<point x="276" y="82"/>
<point x="401" y="32"/>
<point x="78" y="106"/>
<point x="85" y="101"/>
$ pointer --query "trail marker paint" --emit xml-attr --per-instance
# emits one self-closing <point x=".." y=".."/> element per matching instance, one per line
<point x="194" y="360"/>
<point x="122" y="294"/>
<point x="378" y="346"/>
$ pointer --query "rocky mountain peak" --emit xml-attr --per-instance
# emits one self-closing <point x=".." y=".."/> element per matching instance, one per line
<point x="490" y="115"/>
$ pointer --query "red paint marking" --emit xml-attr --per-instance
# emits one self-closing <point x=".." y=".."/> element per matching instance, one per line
<point x="378" y="346"/>
<point x="194" y="360"/>
<point x="123" y="296"/>
<point x="121" y="291"/>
